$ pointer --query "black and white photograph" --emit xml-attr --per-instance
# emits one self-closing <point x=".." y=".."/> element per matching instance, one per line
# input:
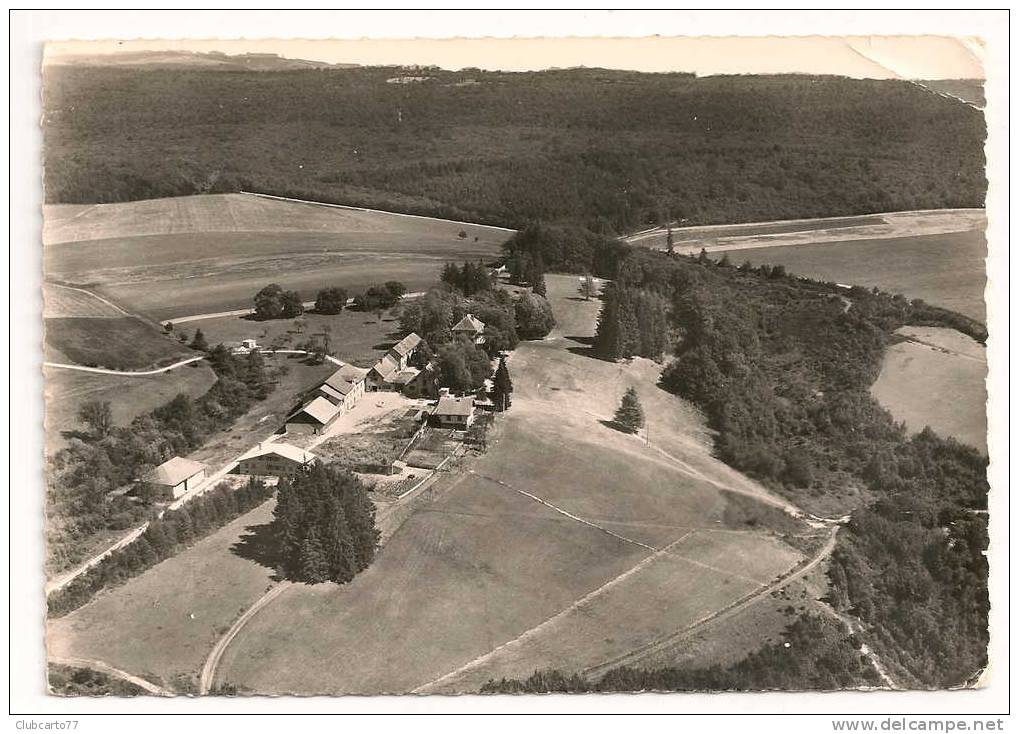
<point x="492" y="367"/>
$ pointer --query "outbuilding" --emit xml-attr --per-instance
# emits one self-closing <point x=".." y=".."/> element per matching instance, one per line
<point x="314" y="417"/>
<point x="274" y="460"/>
<point x="453" y="412"/>
<point x="174" y="477"/>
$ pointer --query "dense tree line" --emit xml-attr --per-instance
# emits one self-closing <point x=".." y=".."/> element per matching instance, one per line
<point x="325" y="525"/>
<point x="814" y="654"/>
<point x="163" y="538"/>
<point x="631" y="322"/>
<point x="782" y="366"/>
<point x="468" y="279"/>
<point x="82" y="476"/>
<point x="712" y="149"/>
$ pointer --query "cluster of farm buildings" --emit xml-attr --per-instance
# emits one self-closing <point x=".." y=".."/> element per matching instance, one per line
<point x="325" y="403"/>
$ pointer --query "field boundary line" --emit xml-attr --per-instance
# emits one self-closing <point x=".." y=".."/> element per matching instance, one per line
<point x="797" y="572"/>
<point x="216" y="654"/>
<point x="561" y="511"/>
<point x="100" y="666"/>
<point x="348" y="207"/>
<point x="122" y="373"/>
<point x="111" y="304"/>
<point x="527" y="634"/>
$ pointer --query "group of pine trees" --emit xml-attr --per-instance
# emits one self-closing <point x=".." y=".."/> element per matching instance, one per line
<point x="632" y="322"/>
<point x="325" y="525"/>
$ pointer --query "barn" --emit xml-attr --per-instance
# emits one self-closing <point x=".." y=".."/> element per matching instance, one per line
<point x="174" y="477"/>
<point x="314" y="417"/>
<point x="274" y="460"/>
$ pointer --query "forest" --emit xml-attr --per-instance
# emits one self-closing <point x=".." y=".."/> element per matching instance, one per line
<point x="781" y="367"/>
<point x="612" y="151"/>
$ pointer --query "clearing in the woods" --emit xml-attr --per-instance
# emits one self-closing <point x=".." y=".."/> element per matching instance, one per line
<point x="563" y="523"/>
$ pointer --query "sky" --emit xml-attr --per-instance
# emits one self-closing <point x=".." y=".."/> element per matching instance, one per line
<point x="876" y="57"/>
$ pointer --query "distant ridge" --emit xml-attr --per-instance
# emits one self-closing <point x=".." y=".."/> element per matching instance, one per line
<point x="193" y="59"/>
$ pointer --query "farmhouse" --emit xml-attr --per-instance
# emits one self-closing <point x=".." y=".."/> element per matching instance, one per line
<point x="274" y="460"/>
<point x="382" y="375"/>
<point x="451" y="412"/>
<point x="470" y="327"/>
<point x="402" y="351"/>
<point x="314" y="417"/>
<point x="425" y="384"/>
<point x="174" y="477"/>
<point x="344" y="387"/>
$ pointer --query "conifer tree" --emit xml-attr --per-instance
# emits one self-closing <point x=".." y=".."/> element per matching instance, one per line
<point x="539" y="286"/>
<point x="314" y="567"/>
<point x="199" y="342"/>
<point x="502" y="394"/>
<point x="630" y="414"/>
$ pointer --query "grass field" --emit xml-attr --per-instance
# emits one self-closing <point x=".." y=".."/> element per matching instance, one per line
<point x="357" y="338"/>
<point x="163" y="623"/>
<point x="175" y="257"/>
<point x="936" y="379"/>
<point x="61" y="302"/>
<point x="481" y="559"/>
<point x="124" y="343"/>
<point x="66" y="391"/>
<point x="944" y="269"/>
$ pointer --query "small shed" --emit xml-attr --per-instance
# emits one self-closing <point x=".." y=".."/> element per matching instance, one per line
<point x="174" y="477"/>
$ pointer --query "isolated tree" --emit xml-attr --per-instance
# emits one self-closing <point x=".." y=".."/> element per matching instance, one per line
<point x="98" y="416"/>
<point x="670" y="246"/>
<point x="396" y="290"/>
<point x="269" y="302"/>
<point x="630" y="414"/>
<point x="199" y="342"/>
<point x="587" y="288"/>
<point x="292" y="304"/>
<point x="502" y="392"/>
<point x="168" y="327"/>
<point x="300" y="324"/>
<point x="534" y="316"/>
<point x="330" y="300"/>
